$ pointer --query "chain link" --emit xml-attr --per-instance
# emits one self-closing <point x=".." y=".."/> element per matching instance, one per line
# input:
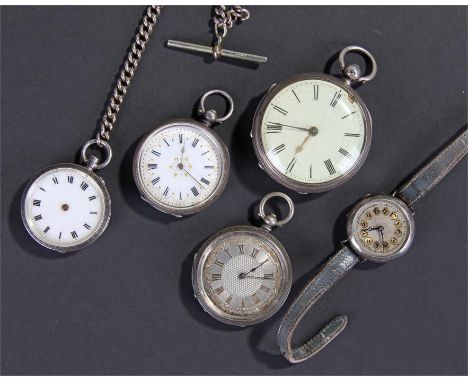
<point x="144" y="31"/>
<point x="223" y="20"/>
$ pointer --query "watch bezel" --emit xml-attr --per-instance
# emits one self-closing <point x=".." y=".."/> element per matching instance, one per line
<point x="106" y="209"/>
<point x="272" y="171"/>
<point x="353" y="236"/>
<point x="197" y="276"/>
<point x="182" y="211"/>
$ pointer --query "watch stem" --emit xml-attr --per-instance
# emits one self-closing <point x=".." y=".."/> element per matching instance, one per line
<point x="209" y="117"/>
<point x="353" y="72"/>
<point x="269" y="221"/>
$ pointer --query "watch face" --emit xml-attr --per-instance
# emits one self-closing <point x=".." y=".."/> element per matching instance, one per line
<point x="312" y="132"/>
<point x="181" y="167"/>
<point x="381" y="228"/>
<point x="242" y="276"/>
<point x="66" y="207"/>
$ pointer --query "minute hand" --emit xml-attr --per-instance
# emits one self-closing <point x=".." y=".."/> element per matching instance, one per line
<point x="295" y="127"/>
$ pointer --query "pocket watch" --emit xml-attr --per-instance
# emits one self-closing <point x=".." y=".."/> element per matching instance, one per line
<point x="242" y="275"/>
<point x="65" y="207"/>
<point x="312" y="131"/>
<point x="182" y="166"/>
<point x="380" y="228"/>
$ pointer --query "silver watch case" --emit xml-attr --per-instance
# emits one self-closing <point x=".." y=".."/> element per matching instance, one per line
<point x="175" y="211"/>
<point x="107" y="207"/>
<point x="267" y="166"/>
<point x="197" y="275"/>
<point x="353" y="236"/>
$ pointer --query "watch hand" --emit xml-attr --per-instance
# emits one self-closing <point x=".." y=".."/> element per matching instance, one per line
<point x="257" y="277"/>
<point x="182" y="152"/>
<point x="292" y="127"/>
<point x="313" y="131"/>
<point x="243" y="274"/>
<point x="181" y="166"/>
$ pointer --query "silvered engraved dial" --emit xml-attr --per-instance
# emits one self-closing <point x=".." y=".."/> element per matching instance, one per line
<point x="312" y="132"/>
<point x="181" y="167"/>
<point x="381" y="228"/>
<point x="242" y="275"/>
<point x="65" y="207"/>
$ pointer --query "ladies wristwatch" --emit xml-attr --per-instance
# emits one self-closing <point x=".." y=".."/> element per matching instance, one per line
<point x="379" y="228"/>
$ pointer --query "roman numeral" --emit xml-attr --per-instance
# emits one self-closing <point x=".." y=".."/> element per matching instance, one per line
<point x="180" y="195"/>
<point x="255" y="298"/>
<point x="268" y="276"/>
<point x="84" y="186"/>
<point x="206" y="152"/>
<point x="155" y="180"/>
<point x="347" y="115"/>
<point x="241" y="249"/>
<point x="194" y="191"/>
<point x="166" y="191"/>
<point x="219" y="263"/>
<point x="40" y="188"/>
<point x="229" y="299"/>
<point x="70" y="179"/>
<point x="278" y="149"/>
<point x="36" y="202"/>
<point x="55" y="180"/>
<point x="93" y="212"/>
<point x="152" y="166"/>
<point x="345" y="153"/>
<point x="92" y="197"/>
<point x="265" y="288"/>
<point x="209" y="167"/>
<point x="295" y="95"/>
<point x="316" y="92"/>
<point x="157" y="153"/>
<point x="37" y="217"/>
<point x="329" y="166"/>
<point x="87" y="226"/>
<point x="74" y="234"/>
<point x="351" y="135"/>
<point x="280" y="110"/>
<point x="227" y="252"/>
<point x="60" y="235"/>
<point x="310" y="171"/>
<point x="180" y="138"/>
<point x="255" y="252"/>
<point x="215" y="276"/>
<point x="195" y="142"/>
<point x="335" y="98"/>
<point x="46" y="229"/>
<point x="274" y="128"/>
<point x="219" y="290"/>
<point x="291" y="165"/>
<point x="204" y="181"/>
<point x="167" y="143"/>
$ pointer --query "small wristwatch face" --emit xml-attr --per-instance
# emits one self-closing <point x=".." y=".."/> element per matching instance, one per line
<point x="382" y="228"/>
<point x="180" y="166"/>
<point x="244" y="278"/>
<point x="314" y="132"/>
<point x="66" y="207"/>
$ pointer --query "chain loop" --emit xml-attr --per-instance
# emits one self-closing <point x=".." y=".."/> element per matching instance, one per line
<point x="144" y="31"/>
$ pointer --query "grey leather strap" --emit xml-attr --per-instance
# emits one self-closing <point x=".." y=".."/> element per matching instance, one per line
<point x="335" y="268"/>
<point x="433" y="172"/>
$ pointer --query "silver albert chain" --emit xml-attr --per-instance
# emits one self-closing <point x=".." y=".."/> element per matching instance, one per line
<point x="65" y="207"/>
<point x="223" y="20"/>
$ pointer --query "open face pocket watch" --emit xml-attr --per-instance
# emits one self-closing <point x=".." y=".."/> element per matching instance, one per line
<point x="242" y="275"/>
<point x="312" y="131"/>
<point x="182" y="166"/>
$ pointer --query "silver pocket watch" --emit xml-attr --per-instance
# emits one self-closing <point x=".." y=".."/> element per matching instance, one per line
<point x="182" y="166"/>
<point x="242" y="274"/>
<point x="312" y="131"/>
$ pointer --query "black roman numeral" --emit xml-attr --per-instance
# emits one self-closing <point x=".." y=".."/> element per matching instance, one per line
<point x="55" y="180"/>
<point x="219" y="263"/>
<point x="167" y="143"/>
<point x="219" y="290"/>
<point x="87" y="226"/>
<point x="166" y="191"/>
<point x="194" y="191"/>
<point x="255" y="252"/>
<point x="280" y="110"/>
<point x="209" y="166"/>
<point x="204" y="181"/>
<point x="255" y="298"/>
<point x="92" y="197"/>
<point x="46" y="229"/>
<point x="316" y="92"/>
<point x="215" y="276"/>
<point x="291" y="165"/>
<point x="229" y="299"/>
<point x="195" y="142"/>
<point x="347" y="115"/>
<point x="345" y="153"/>
<point x="37" y="217"/>
<point x="278" y="149"/>
<point x="310" y="171"/>
<point x="74" y="234"/>
<point x="155" y="180"/>
<point x="329" y="166"/>
<point x="157" y="153"/>
<point x="206" y="152"/>
<point x="241" y="249"/>
<point x="40" y="188"/>
<point x="60" y="235"/>
<point x="268" y="276"/>
<point x="295" y="95"/>
<point x="274" y="128"/>
<point x="265" y="288"/>
<point x="70" y="179"/>
<point x="36" y="202"/>
<point x="335" y="98"/>
<point x="180" y="138"/>
<point x="152" y="166"/>
<point x="93" y="212"/>
<point x="84" y="186"/>
<point x="351" y="135"/>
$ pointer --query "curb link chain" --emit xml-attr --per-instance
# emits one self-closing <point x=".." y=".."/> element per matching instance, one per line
<point x="145" y="29"/>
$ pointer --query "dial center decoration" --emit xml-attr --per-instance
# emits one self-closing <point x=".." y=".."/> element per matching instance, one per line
<point x="236" y="280"/>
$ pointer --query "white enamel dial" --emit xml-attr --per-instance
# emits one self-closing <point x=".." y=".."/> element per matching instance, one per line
<point x="66" y="207"/>
<point x="313" y="131"/>
<point x="180" y="167"/>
